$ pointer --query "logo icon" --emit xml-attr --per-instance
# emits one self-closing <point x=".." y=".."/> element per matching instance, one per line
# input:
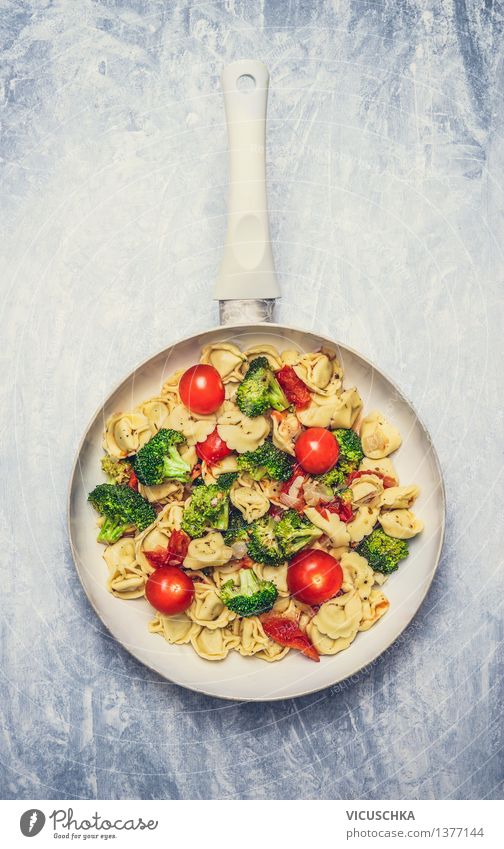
<point x="32" y="822"/>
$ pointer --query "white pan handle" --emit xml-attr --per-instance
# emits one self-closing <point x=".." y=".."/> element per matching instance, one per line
<point x="247" y="271"/>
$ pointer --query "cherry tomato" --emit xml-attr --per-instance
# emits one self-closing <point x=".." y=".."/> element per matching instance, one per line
<point x="295" y="390"/>
<point x="213" y="448"/>
<point x="317" y="450"/>
<point x="288" y="633"/>
<point x="201" y="389"/>
<point x="314" y="576"/>
<point x="169" y="590"/>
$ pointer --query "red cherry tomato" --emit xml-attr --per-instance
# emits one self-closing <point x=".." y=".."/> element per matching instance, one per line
<point x="314" y="576"/>
<point x="169" y="590"/>
<point x="213" y="448"/>
<point x="288" y="633"/>
<point x="317" y="450"/>
<point x="201" y="389"/>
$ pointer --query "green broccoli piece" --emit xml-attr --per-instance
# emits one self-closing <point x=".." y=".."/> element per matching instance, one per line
<point x="237" y="530"/>
<point x="259" y="390"/>
<point x="267" y="460"/>
<point x="382" y="552"/>
<point x="159" y="459"/>
<point x="122" y="508"/>
<point x="350" y="455"/>
<point x="252" y="597"/>
<point x="226" y="480"/>
<point x="118" y="471"/>
<point x="350" y="449"/>
<point x="334" y="478"/>
<point x="263" y="546"/>
<point x="295" y="531"/>
<point x="208" y="508"/>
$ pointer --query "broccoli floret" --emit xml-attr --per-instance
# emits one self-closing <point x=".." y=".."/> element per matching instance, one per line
<point x="208" y="508"/>
<point x="350" y="449"/>
<point x="252" y="597"/>
<point x="226" y="480"/>
<point x="334" y="478"/>
<point x="263" y="546"/>
<point x="294" y="532"/>
<point x="122" y="508"/>
<point x="382" y="552"/>
<point x="259" y="390"/>
<point x="118" y="471"/>
<point x="237" y="530"/>
<point x="267" y="460"/>
<point x="159" y="459"/>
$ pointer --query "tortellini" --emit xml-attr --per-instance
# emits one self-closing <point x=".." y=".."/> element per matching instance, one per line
<point x="207" y="609"/>
<point x="366" y="489"/>
<point x="357" y="573"/>
<point x="332" y="526"/>
<point x="276" y="574"/>
<point x="156" y="410"/>
<point x="239" y="432"/>
<point x="373" y="609"/>
<point x="195" y="428"/>
<point x="336" y="623"/>
<point x="250" y="501"/>
<point x="226" y="358"/>
<point x="126" y="576"/>
<point x="210" y="473"/>
<point x="321" y="372"/>
<point x="252" y="636"/>
<point x="363" y="522"/>
<point x="379" y="438"/>
<point x="162" y="493"/>
<point x="177" y="629"/>
<point x="268" y="351"/>
<point x="286" y="429"/>
<point x="401" y="524"/>
<point x="209" y="550"/>
<point x="126" y="433"/>
<point x="214" y="644"/>
<point x="336" y="411"/>
<point x="155" y="536"/>
<point x="399" y="496"/>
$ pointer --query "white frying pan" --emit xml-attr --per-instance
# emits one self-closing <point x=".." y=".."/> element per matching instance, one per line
<point x="246" y="290"/>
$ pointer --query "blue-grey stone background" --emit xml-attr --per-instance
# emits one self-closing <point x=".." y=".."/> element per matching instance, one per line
<point x="385" y="165"/>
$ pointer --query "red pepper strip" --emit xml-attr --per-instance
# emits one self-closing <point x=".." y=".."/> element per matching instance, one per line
<point x="173" y="555"/>
<point x="387" y="481"/>
<point x="288" y="633"/>
<point x="133" y="481"/>
<point x="296" y="392"/>
<point x="342" y="508"/>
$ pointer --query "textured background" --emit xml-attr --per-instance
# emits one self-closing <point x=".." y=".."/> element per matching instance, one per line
<point x="385" y="162"/>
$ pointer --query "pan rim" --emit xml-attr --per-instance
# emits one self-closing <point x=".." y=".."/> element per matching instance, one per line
<point x="258" y="327"/>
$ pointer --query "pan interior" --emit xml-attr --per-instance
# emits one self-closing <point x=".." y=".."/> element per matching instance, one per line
<point x="250" y="678"/>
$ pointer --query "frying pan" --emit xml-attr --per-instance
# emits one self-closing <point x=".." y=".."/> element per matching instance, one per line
<point x="246" y="290"/>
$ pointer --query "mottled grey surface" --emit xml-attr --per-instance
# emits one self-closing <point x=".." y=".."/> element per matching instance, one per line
<point x="385" y="162"/>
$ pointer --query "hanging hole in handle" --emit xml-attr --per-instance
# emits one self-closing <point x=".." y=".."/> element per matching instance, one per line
<point x="246" y="83"/>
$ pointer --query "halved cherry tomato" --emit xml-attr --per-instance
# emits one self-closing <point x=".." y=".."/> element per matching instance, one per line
<point x="173" y="555"/>
<point x="169" y="590"/>
<point x="288" y="633"/>
<point x="317" y="450"/>
<point x="213" y="448"/>
<point x="314" y="576"/>
<point x="133" y="481"/>
<point x="201" y="389"/>
<point x="387" y="481"/>
<point x="295" y="390"/>
<point x="342" y="508"/>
